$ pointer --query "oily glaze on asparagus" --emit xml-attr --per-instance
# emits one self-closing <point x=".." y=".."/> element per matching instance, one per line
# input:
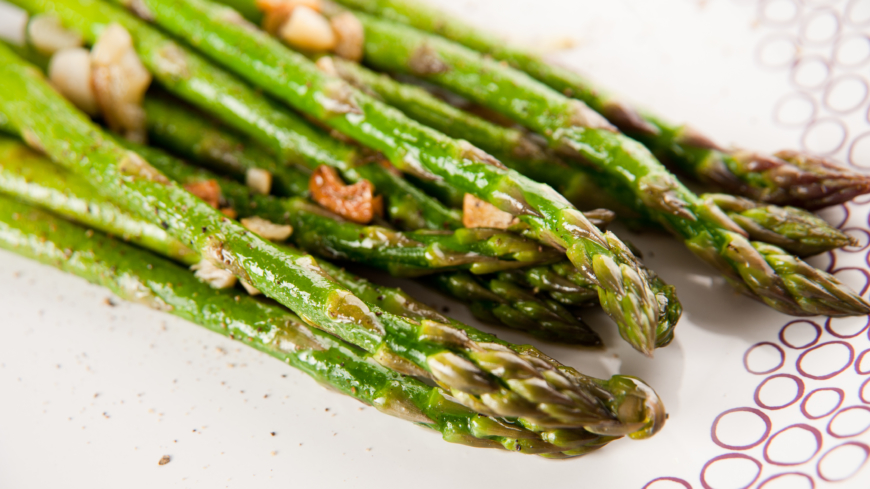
<point x="795" y="230"/>
<point x="138" y="276"/>
<point x="494" y="381"/>
<point x="780" y="179"/>
<point x="413" y="148"/>
<point x="194" y="79"/>
<point x="572" y="127"/>
<point x="29" y="177"/>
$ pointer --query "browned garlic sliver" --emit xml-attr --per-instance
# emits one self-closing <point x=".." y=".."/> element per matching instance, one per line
<point x="70" y="73"/>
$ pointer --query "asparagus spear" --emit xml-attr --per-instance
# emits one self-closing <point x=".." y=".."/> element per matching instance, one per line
<point x="192" y="78"/>
<point x="489" y="300"/>
<point x="175" y="126"/>
<point x="414" y="148"/>
<point x="482" y="375"/>
<point x="808" y="183"/>
<point x="572" y="127"/>
<point x="138" y="276"/>
<point x="29" y="177"/>
<point x="178" y="127"/>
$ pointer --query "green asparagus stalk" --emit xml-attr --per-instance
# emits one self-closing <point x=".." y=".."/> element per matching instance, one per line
<point x="175" y="126"/>
<point x="138" y="276"/>
<point x="410" y="253"/>
<point x="416" y="149"/>
<point x="192" y="78"/>
<point x="808" y="183"/>
<point x="573" y="128"/>
<point x="31" y="178"/>
<point x="495" y="379"/>
<point x="170" y="122"/>
<point x="489" y="300"/>
<point x="793" y="229"/>
<point x="180" y="129"/>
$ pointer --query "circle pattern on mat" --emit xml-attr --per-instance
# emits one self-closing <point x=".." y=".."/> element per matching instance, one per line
<point x="805" y="423"/>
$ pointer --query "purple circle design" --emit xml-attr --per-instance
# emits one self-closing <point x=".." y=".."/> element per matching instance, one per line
<point x="839" y="392"/>
<point x="729" y="456"/>
<point x="858" y="363"/>
<point x="796" y="65"/>
<point x="764" y="418"/>
<point x="850" y="249"/>
<point x="816" y="434"/>
<point x="800" y="392"/>
<point x="784" y="474"/>
<point x="860" y="445"/>
<point x="833" y="374"/>
<point x="861" y="392"/>
<point x="763" y="19"/>
<point x="811" y="323"/>
<point x="669" y="479"/>
<point x="830" y="330"/>
<point x="816" y="13"/>
<point x="828" y="151"/>
<point x="793" y="96"/>
<point x="850" y="408"/>
<point x="844" y="39"/>
<point x="848" y="15"/>
<point x="832" y="84"/>
<point x="863" y="272"/>
<point x="774" y="369"/>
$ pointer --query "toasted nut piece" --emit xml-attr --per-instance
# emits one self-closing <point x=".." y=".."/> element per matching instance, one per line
<point x="217" y="278"/>
<point x="477" y="213"/>
<point x="308" y="30"/>
<point x="48" y="35"/>
<point x="207" y="190"/>
<point x="259" y="180"/>
<point x="120" y="82"/>
<point x="267" y="229"/>
<point x="70" y="72"/>
<point x="355" y="202"/>
<point x="350" y="36"/>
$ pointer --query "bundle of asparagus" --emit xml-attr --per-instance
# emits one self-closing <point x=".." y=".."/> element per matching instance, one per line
<point x="379" y="172"/>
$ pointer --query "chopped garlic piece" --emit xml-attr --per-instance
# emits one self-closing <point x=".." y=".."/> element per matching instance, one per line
<point x="250" y="289"/>
<point x="259" y="180"/>
<point x="120" y="82"/>
<point x="267" y="229"/>
<point x="477" y="213"/>
<point x="307" y="30"/>
<point x="48" y="35"/>
<point x="217" y="278"/>
<point x="350" y="36"/>
<point x="70" y="73"/>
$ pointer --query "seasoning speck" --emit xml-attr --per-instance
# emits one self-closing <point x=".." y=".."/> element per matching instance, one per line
<point x="164" y="460"/>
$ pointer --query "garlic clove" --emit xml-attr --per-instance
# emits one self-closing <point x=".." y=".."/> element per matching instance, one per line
<point x="48" y="36"/>
<point x="350" y="36"/>
<point x="307" y="30"/>
<point x="70" y="73"/>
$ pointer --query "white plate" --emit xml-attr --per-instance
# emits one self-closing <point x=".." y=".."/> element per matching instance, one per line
<point x="95" y="395"/>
